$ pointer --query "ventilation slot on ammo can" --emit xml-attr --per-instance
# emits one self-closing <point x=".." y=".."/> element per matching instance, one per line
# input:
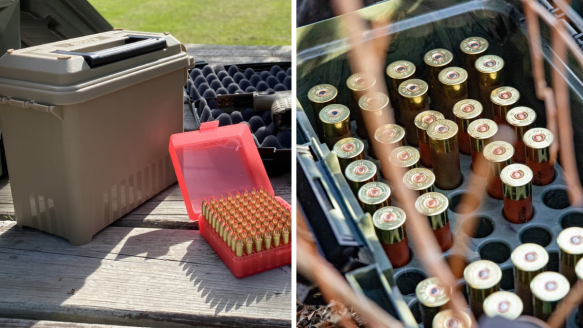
<point x="348" y="150"/>
<point x="529" y="260"/>
<point x="433" y="297"/>
<point x="436" y="60"/>
<point x="397" y="72"/>
<point x="359" y="84"/>
<point x="481" y="132"/>
<point x="454" y="87"/>
<point x="414" y="100"/>
<point x="445" y="154"/>
<point x="359" y="173"/>
<point x="374" y="196"/>
<point x="548" y="289"/>
<point x="482" y="279"/>
<point x="434" y="206"/>
<point x="375" y="113"/>
<point x="503" y="304"/>
<point x="517" y="193"/>
<point x="321" y="96"/>
<point x="570" y="243"/>
<point x="422" y="121"/>
<point x="472" y="48"/>
<point x="537" y="143"/>
<point x="490" y="77"/>
<point x="465" y="112"/>
<point x="499" y="155"/>
<point x="420" y="180"/>
<point x="503" y="99"/>
<point x="521" y="119"/>
<point x="334" y="123"/>
<point x="389" y="223"/>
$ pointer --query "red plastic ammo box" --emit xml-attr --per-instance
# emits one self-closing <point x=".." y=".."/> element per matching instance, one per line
<point x="215" y="161"/>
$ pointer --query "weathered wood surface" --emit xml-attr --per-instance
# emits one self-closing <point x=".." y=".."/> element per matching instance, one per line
<point x="22" y="323"/>
<point x="134" y="276"/>
<point x="227" y="55"/>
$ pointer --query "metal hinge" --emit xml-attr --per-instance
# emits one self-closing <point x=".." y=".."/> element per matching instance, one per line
<point x="51" y="109"/>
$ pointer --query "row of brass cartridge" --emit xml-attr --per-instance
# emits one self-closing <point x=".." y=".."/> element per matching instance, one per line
<point x="537" y="291"/>
<point x="248" y="222"/>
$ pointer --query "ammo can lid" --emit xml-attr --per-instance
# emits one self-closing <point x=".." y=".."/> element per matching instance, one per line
<point x="516" y="175"/>
<point x="334" y="113"/>
<point x="438" y="57"/>
<point x="489" y="64"/>
<point x="482" y="274"/>
<point x="361" y="170"/>
<point x="482" y="128"/>
<point x="373" y="101"/>
<point x="498" y="151"/>
<point x="374" y="193"/>
<point x="530" y="257"/>
<point x="389" y="218"/>
<point x="549" y="286"/>
<point x="431" y="292"/>
<point x="404" y="156"/>
<point x="521" y="116"/>
<point x="419" y="178"/>
<point x="442" y="130"/>
<point x="389" y="134"/>
<point x="322" y="93"/>
<point x="423" y="119"/>
<point x="570" y="240"/>
<point x="505" y="96"/>
<point x="413" y="88"/>
<point x="348" y="147"/>
<point x="538" y="138"/>
<point x="474" y="45"/>
<point x="360" y="82"/>
<point x="503" y="304"/>
<point x="401" y="69"/>
<point x="467" y="109"/>
<point x="453" y="75"/>
<point x="431" y="203"/>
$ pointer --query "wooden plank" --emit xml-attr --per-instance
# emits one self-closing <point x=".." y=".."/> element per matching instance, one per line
<point x="23" y="323"/>
<point x="134" y="276"/>
<point x="227" y="55"/>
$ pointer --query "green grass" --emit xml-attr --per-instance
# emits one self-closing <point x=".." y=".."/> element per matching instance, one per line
<point x="225" y="22"/>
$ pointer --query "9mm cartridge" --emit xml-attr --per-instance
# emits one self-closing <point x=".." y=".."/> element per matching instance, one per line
<point x="433" y="297"/>
<point x="472" y="48"/>
<point x="481" y="132"/>
<point x="321" y="96"/>
<point x="570" y="243"/>
<point x="397" y="73"/>
<point x="389" y="223"/>
<point x="436" y="60"/>
<point x="447" y="319"/>
<point x="537" y="143"/>
<point x="359" y="173"/>
<point x="405" y="156"/>
<point x="490" y="77"/>
<point x="548" y="289"/>
<point x="521" y="119"/>
<point x="445" y="154"/>
<point x="529" y="260"/>
<point x="422" y="121"/>
<point x="454" y="87"/>
<point x="348" y="150"/>
<point x="503" y="304"/>
<point x="499" y="155"/>
<point x="374" y="196"/>
<point x="434" y="206"/>
<point x="503" y="99"/>
<point x="517" y="193"/>
<point x="482" y="279"/>
<point x="414" y="100"/>
<point x="359" y="84"/>
<point x="334" y="123"/>
<point x="465" y="112"/>
<point x="420" y="180"/>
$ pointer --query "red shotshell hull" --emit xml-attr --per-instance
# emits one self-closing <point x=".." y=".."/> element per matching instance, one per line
<point x="543" y="173"/>
<point x="518" y="211"/>
<point x="495" y="187"/>
<point x="425" y="154"/>
<point x="464" y="143"/>
<point x="519" y="152"/>
<point x="500" y="120"/>
<point x="443" y="236"/>
<point x="398" y="253"/>
<point x="475" y="158"/>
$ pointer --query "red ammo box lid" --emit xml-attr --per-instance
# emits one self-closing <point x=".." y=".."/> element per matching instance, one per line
<point x="215" y="161"/>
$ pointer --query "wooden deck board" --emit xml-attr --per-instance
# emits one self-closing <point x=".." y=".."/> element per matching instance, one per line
<point x="23" y="323"/>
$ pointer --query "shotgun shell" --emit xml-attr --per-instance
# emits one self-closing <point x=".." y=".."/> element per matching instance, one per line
<point x="359" y="83"/>
<point x="517" y="193"/>
<point x="503" y="304"/>
<point x="433" y="297"/>
<point x="397" y="72"/>
<point x="436" y="60"/>
<point x="405" y="156"/>
<point x="389" y="223"/>
<point x="422" y="121"/>
<point x="445" y="155"/>
<point x="419" y="179"/>
<point x="503" y="99"/>
<point x="321" y="96"/>
<point x="334" y="123"/>
<point x="499" y="155"/>
<point x="521" y="119"/>
<point x="537" y="144"/>
<point x="490" y="77"/>
<point x="359" y="173"/>
<point x="454" y="87"/>
<point x="548" y="289"/>
<point x="579" y="271"/>
<point x="570" y="243"/>
<point x="466" y="111"/>
<point x="388" y="137"/>
<point x="348" y="150"/>
<point x="482" y="279"/>
<point x="434" y="206"/>
<point x="447" y="319"/>
<point x="472" y="48"/>
<point x="529" y="260"/>
<point x="374" y="196"/>
<point x="414" y="100"/>
<point x="374" y="108"/>
<point x="481" y="132"/>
